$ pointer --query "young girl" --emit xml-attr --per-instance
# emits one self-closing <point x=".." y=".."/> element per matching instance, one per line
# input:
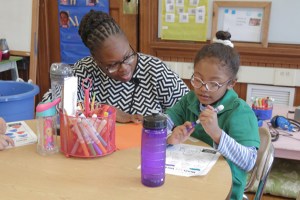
<point x="232" y="131"/>
<point x="4" y="140"/>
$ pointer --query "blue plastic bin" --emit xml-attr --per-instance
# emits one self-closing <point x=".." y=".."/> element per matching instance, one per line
<point x="17" y="100"/>
<point x="263" y="114"/>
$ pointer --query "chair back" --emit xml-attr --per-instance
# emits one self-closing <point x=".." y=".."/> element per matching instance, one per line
<point x="264" y="161"/>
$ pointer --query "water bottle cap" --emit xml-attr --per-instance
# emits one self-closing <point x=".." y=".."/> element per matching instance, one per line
<point x="47" y="113"/>
<point x="155" y="121"/>
<point x="61" y="69"/>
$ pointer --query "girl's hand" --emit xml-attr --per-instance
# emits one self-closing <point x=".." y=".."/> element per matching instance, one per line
<point x="209" y="121"/>
<point x="5" y="141"/>
<point x="181" y="133"/>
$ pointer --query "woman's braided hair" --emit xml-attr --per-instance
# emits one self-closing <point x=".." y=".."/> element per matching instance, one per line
<point x="95" y="27"/>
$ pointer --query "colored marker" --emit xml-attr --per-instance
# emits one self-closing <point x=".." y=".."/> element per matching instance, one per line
<point x="91" y="133"/>
<point x="217" y="109"/>
<point x="75" y="147"/>
<point x="93" y="129"/>
<point x="81" y="140"/>
<point x="101" y="125"/>
<point x="95" y="120"/>
<point x="87" y="139"/>
<point x="104" y="109"/>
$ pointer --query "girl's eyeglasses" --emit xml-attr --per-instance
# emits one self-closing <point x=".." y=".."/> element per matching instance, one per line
<point x="211" y="86"/>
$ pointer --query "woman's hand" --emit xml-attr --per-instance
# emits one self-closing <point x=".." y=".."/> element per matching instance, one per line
<point x="136" y="118"/>
<point x="124" y="117"/>
<point x="180" y="133"/>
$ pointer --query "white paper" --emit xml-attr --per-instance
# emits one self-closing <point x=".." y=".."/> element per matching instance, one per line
<point x="170" y="6"/>
<point x="179" y="3"/>
<point x="244" y="25"/>
<point x="190" y="160"/>
<point x="170" y="18"/>
<point x="194" y="2"/>
<point x="200" y="14"/>
<point x="183" y="18"/>
<point x="70" y="95"/>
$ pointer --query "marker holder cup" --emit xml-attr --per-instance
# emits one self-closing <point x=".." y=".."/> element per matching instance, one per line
<point x="263" y="114"/>
<point x="88" y="137"/>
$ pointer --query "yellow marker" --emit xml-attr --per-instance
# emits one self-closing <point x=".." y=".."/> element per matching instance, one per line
<point x="106" y="114"/>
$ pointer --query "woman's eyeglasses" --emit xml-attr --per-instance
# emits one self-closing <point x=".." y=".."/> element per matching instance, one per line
<point x="111" y="68"/>
<point x="211" y="86"/>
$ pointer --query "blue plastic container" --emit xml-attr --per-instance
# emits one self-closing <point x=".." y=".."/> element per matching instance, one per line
<point x="17" y="100"/>
<point x="263" y="114"/>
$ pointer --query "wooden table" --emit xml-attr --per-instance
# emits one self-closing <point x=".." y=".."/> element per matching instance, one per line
<point x="27" y="175"/>
<point x="11" y="64"/>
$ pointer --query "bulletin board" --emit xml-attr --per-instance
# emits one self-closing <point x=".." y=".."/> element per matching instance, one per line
<point x="246" y="21"/>
<point x="19" y="26"/>
<point x="283" y="26"/>
<point x="184" y="20"/>
<point x="70" y="14"/>
<point x="14" y="27"/>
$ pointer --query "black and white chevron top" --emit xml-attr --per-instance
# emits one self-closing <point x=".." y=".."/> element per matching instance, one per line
<point x="153" y="86"/>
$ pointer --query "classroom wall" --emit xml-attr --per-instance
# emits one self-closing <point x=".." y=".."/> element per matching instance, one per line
<point x="284" y="28"/>
<point x="278" y="64"/>
<point x="15" y="23"/>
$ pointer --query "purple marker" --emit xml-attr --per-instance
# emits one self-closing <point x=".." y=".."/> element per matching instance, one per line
<point x="217" y="109"/>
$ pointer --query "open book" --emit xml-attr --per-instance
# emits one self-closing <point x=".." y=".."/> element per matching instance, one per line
<point x="21" y="133"/>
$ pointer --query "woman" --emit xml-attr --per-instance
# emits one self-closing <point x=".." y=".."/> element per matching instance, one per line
<point x="132" y="82"/>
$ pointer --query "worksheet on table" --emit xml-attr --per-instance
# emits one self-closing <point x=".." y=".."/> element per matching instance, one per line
<point x="190" y="160"/>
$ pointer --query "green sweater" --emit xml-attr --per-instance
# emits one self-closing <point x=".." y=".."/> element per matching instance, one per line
<point x="236" y="119"/>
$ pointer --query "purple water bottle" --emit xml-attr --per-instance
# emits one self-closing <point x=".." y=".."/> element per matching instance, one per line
<point x="153" y="152"/>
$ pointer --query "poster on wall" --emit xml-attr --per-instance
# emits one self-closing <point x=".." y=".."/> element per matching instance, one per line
<point x="70" y="14"/>
<point x="184" y="20"/>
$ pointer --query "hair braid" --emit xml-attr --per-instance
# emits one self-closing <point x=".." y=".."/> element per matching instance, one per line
<point x="95" y="27"/>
